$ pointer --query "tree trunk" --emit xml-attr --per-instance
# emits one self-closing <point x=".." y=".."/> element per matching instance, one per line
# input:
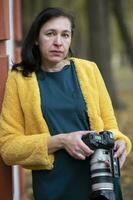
<point x="30" y="10"/>
<point x="99" y="25"/>
<point x="118" y="11"/>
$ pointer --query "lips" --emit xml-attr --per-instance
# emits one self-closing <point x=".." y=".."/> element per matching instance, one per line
<point x="56" y="52"/>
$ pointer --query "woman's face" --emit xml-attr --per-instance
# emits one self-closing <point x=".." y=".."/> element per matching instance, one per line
<point x="54" y="40"/>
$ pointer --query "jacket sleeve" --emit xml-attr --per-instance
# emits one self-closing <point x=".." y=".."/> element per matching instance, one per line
<point x="16" y="148"/>
<point x="107" y="111"/>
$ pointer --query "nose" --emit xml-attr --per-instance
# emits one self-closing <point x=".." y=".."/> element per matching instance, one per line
<point x="58" y="40"/>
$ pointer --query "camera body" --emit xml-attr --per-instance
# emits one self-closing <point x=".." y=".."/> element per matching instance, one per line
<point x="103" y="140"/>
<point x="103" y="166"/>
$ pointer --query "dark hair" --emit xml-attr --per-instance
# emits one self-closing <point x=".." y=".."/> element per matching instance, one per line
<point x="30" y="54"/>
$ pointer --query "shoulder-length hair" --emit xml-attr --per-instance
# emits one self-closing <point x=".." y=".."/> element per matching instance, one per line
<point x="30" y="54"/>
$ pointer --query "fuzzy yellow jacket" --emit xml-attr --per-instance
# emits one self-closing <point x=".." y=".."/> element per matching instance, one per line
<point x="23" y="130"/>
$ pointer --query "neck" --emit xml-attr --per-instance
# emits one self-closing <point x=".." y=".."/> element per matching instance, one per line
<point x="54" y="67"/>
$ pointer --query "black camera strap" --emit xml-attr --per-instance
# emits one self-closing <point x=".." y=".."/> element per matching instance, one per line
<point x="116" y="176"/>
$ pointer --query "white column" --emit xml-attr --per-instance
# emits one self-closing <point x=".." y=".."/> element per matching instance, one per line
<point x="10" y="53"/>
<point x="9" y="43"/>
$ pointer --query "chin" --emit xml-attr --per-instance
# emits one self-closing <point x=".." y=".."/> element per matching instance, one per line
<point x="56" y="60"/>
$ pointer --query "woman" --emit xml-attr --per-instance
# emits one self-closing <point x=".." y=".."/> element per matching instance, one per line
<point x="52" y="101"/>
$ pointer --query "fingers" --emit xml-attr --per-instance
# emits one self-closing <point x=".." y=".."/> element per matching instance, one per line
<point x="83" y="147"/>
<point x="79" y="151"/>
<point x="120" y="148"/>
<point x="122" y="159"/>
<point x="119" y="152"/>
<point x="76" y="147"/>
<point x="87" y="151"/>
<point x="78" y="155"/>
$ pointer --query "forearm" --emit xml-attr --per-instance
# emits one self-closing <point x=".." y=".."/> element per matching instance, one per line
<point x="55" y="143"/>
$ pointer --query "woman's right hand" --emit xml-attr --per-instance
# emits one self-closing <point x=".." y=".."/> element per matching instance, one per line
<point x="72" y="143"/>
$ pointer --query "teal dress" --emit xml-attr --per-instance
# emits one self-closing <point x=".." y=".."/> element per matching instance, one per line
<point x="64" y="110"/>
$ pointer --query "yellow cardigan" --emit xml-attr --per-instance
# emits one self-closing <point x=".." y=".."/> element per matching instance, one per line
<point x="23" y="130"/>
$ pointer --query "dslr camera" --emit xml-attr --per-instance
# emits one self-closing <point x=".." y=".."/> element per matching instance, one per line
<point x="103" y="166"/>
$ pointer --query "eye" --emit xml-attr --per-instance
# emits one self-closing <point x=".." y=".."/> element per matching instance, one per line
<point x="66" y="35"/>
<point x="50" y="34"/>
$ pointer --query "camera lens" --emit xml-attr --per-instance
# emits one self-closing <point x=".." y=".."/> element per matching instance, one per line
<point x="101" y="175"/>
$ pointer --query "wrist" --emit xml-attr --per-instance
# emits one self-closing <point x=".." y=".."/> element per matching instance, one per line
<point x="56" y="143"/>
<point x="62" y="140"/>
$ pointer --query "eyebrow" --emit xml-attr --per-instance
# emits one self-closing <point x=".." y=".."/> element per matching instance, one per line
<point x="56" y="30"/>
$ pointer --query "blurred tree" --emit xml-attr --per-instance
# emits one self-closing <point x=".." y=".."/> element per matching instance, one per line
<point x="120" y="17"/>
<point x="100" y="51"/>
<point x="30" y="10"/>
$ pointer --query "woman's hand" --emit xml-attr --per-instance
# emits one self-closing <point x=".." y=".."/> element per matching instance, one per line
<point x="120" y="151"/>
<point x="74" y="145"/>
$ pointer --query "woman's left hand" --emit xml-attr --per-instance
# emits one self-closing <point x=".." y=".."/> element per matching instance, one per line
<point x="120" y="151"/>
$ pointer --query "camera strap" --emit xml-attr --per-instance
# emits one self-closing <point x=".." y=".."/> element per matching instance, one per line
<point x="116" y="176"/>
<point x="117" y="189"/>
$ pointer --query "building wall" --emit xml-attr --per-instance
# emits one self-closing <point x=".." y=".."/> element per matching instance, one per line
<point x="5" y="172"/>
<point x="10" y="20"/>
